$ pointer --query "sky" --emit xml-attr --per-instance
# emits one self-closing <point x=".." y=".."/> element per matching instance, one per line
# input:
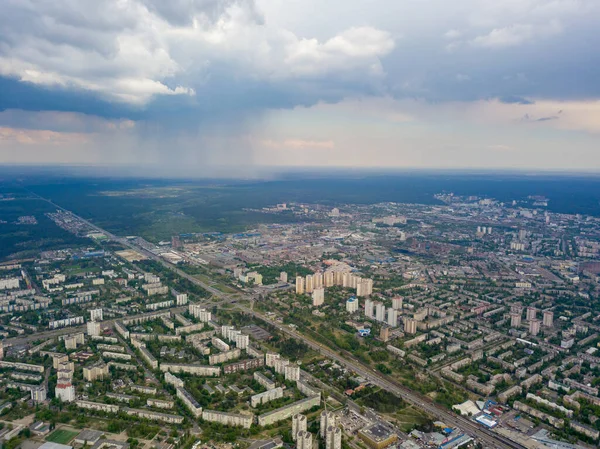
<point x="232" y="87"/>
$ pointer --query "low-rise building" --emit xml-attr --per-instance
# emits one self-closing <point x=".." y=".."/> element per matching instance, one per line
<point x="266" y="396"/>
<point x="509" y="393"/>
<point x="228" y="419"/>
<point x="154" y="416"/>
<point x="148" y="357"/>
<point x="173" y="380"/>
<point x="121" y="397"/>
<point x="377" y="436"/>
<point x="243" y="365"/>
<point x="189" y="401"/>
<point x="215" y="359"/>
<point x="89" y="405"/>
<point x="38" y="393"/>
<point x="143" y="389"/>
<point x="289" y="410"/>
<point x="116" y="355"/>
<point x="264" y="380"/>
<point x="22" y="366"/>
<point x="159" y="403"/>
<point x="198" y="370"/>
<point x="556" y="422"/>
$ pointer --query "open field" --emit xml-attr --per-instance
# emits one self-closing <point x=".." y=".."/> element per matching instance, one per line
<point x="409" y="417"/>
<point x="61" y="436"/>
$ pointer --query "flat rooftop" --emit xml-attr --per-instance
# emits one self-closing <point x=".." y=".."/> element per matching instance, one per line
<point x="377" y="432"/>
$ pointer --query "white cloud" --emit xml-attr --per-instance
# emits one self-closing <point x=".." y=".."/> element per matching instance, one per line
<point x="452" y="34"/>
<point x="517" y="34"/>
<point x="353" y="48"/>
<point x="132" y="50"/>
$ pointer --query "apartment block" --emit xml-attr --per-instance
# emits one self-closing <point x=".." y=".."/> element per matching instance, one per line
<point x="289" y="410"/>
<point x="266" y="396"/>
<point x="215" y="359"/>
<point x="198" y="370"/>
<point x="228" y="419"/>
<point x="189" y="401"/>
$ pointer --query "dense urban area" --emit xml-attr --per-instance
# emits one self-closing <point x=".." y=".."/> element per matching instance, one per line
<point x="471" y="323"/>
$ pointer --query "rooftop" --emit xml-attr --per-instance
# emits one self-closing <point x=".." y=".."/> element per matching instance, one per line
<point x="377" y="432"/>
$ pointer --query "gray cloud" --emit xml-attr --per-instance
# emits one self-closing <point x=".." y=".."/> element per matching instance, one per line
<point x="197" y="72"/>
<point x="184" y="12"/>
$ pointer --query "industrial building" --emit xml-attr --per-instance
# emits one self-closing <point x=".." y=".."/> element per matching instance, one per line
<point x="377" y="436"/>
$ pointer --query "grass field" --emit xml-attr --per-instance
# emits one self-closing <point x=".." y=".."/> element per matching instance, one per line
<point x="408" y="417"/>
<point x="61" y="436"/>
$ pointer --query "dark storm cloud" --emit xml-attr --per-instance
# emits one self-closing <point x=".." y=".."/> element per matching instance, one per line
<point x="185" y="67"/>
<point x="30" y="97"/>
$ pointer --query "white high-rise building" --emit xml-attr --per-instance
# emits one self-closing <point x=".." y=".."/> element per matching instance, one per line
<point x="94" y="329"/>
<point x="181" y="299"/>
<point x="283" y="276"/>
<point x="328" y="419"/>
<point x="197" y="311"/>
<point x="299" y="285"/>
<point x="352" y="305"/>
<point x="292" y="372"/>
<point x="410" y="326"/>
<point x="65" y="392"/>
<point x="548" y="318"/>
<point x="333" y="438"/>
<point x="515" y="319"/>
<point x="534" y="327"/>
<point x="380" y="311"/>
<point x="226" y="329"/>
<point x="96" y="315"/>
<point x="531" y="313"/>
<point x="318" y="297"/>
<point x="242" y="341"/>
<point x="304" y="440"/>
<point x="364" y="287"/>
<point x="397" y="303"/>
<point x="271" y="358"/>
<point x="299" y="424"/>
<point x="392" y="318"/>
<point x="369" y="308"/>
